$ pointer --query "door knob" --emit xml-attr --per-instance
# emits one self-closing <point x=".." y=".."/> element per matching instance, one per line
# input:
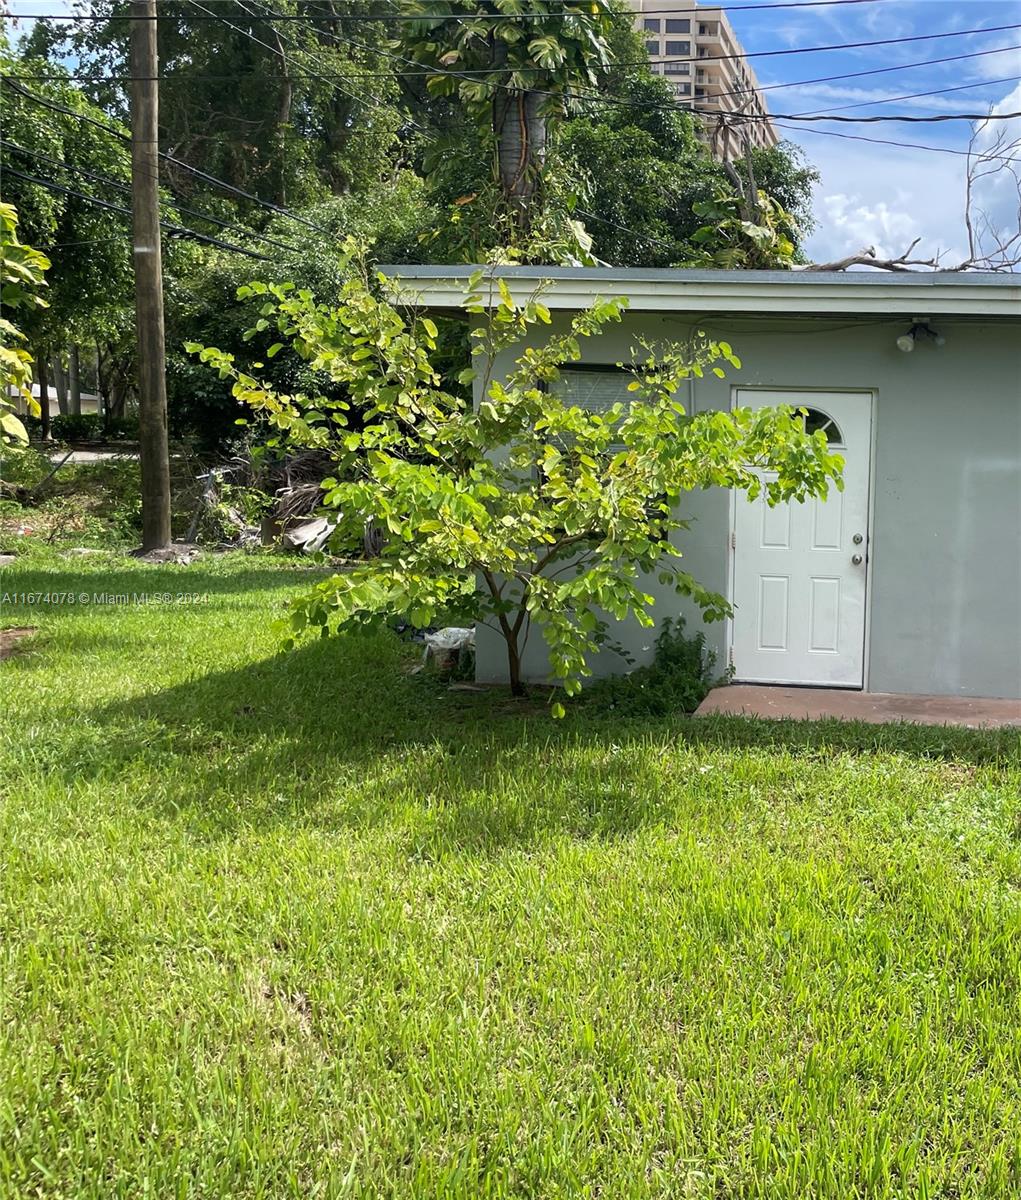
<point x="856" y="559"/>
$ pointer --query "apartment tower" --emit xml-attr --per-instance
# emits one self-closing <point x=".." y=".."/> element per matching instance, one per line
<point x="696" y="50"/>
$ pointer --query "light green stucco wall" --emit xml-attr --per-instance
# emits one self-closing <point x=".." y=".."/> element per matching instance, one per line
<point x="945" y="571"/>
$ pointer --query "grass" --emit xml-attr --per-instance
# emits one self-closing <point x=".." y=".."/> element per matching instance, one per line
<point x="304" y="925"/>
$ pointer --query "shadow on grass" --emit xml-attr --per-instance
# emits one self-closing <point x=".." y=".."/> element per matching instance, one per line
<point x="336" y="735"/>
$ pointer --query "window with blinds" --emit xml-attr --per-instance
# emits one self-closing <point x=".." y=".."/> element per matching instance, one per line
<point x="595" y="391"/>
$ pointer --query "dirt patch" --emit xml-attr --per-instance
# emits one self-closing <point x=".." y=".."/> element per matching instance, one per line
<point x="283" y="1008"/>
<point x="11" y="639"/>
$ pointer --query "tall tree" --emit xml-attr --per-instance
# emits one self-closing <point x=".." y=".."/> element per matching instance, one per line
<point x="516" y="70"/>
<point x="62" y="172"/>
<point x="643" y="169"/>
<point x="288" y="111"/>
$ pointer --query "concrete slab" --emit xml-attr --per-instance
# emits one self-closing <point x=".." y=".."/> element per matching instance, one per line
<point x="877" y="708"/>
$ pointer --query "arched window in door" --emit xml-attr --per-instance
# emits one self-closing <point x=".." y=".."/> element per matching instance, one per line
<point x="816" y="420"/>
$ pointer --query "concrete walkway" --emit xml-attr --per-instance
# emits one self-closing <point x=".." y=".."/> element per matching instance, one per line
<point x="877" y="708"/>
<point x="91" y="456"/>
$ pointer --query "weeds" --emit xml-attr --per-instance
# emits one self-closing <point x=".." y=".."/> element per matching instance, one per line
<point x="677" y="680"/>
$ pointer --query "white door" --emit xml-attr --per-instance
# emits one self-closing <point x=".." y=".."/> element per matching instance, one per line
<point x="800" y="569"/>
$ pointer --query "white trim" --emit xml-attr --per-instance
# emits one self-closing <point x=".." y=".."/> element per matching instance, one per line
<point x="870" y="536"/>
<point x="873" y="396"/>
<point x="706" y="292"/>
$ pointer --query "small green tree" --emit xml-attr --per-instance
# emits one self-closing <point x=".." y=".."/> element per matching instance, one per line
<point x="21" y="275"/>
<point x="521" y="510"/>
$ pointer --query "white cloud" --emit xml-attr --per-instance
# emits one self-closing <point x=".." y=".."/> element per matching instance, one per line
<point x="825" y="96"/>
<point x="856" y="225"/>
<point x="995" y="66"/>
<point x="885" y="197"/>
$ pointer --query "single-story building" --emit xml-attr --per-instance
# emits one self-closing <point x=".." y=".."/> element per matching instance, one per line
<point x="909" y="580"/>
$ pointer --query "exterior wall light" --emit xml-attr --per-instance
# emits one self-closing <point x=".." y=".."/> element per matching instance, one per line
<point x="906" y="341"/>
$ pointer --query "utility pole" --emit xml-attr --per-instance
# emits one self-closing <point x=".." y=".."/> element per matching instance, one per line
<point x="154" y="450"/>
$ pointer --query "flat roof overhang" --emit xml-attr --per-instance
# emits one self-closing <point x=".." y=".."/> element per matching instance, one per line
<point x="990" y="295"/>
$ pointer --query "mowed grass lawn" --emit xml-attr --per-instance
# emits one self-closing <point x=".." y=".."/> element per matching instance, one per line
<point x="278" y="925"/>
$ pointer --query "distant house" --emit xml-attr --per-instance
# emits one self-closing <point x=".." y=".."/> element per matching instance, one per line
<point x="910" y="579"/>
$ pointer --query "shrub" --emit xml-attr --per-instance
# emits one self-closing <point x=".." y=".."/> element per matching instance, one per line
<point x="84" y="427"/>
<point x="89" y="427"/>
<point x="677" y="680"/>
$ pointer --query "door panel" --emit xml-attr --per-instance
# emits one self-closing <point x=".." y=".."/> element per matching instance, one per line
<point x="799" y="596"/>
<point x="774" y="611"/>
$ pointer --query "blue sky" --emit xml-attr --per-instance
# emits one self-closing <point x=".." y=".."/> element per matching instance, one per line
<point x="872" y="194"/>
<point x="886" y="196"/>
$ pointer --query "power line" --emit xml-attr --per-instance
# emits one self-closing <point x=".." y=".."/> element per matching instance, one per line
<point x="673" y="106"/>
<point x="181" y="231"/>
<point x="353" y="77"/>
<point x="902" y="118"/>
<point x="705" y="58"/>
<point x="857" y="137"/>
<point x="645" y="237"/>
<point x="125" y="186"/>
<point x="373" y="100"/>
<point x="963" y="87"/>
<point x="268" y="205"/>
<point x="592" y="96"/>
<point x="461" y="16"/>
<point x="925" y="62"/>
<point x="251" y="36"/>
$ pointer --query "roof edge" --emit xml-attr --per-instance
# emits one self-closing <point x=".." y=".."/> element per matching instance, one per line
<point x="986" y="293"/>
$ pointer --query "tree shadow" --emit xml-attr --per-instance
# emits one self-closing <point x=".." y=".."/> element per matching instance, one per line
<point x="337" y="735"/>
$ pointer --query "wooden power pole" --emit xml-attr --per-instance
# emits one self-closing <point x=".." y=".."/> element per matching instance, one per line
<point x="154" y="450"/>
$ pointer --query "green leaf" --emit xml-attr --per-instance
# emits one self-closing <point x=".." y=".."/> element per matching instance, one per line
<point x="13" y="427"/>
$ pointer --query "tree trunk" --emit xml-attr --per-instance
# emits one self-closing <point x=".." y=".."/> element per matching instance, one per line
<point x="44" y="395"/>
<point x="100" y="378"/>
<point x="283" y="116"/>
<point x="60" y="383"/>
<point x="117" y="397"/>
<point x="74" y="385"/>
<point x="520" y="130"/>
<point x="514" y="666"/>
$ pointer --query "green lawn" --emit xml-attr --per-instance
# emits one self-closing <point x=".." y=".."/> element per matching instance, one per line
<point x="303" y="925"/>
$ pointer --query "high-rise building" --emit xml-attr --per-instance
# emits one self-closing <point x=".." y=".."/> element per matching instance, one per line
<point x="696" y="50"/>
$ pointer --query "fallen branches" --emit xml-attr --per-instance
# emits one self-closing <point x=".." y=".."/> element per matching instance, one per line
<point x="991" y="246"/>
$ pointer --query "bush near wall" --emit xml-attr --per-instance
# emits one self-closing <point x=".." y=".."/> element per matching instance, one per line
<point x="85" y="427"/>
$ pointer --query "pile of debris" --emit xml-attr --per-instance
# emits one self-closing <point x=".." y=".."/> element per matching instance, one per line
<point x="292" y="487"/>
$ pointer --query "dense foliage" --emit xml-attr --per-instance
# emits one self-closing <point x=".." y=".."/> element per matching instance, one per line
<point x="21" y="276"/>
<point x="480" y="139"/>
<point x="677" y="680"/>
